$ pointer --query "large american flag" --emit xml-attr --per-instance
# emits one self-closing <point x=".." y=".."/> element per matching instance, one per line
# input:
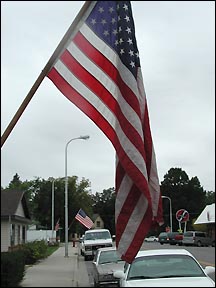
<point x="99" y="71"/>
<point x="84" y="219"/>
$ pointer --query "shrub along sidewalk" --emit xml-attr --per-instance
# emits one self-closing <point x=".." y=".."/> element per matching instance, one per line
<point x="13" y="262"/>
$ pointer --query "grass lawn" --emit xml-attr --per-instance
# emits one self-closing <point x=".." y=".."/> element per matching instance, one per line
<point x="50" y="250"/>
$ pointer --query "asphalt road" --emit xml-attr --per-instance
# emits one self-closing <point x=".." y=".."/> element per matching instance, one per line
<point x="205" y="256"/>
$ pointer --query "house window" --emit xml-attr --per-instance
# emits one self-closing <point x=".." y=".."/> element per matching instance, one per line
<point x="97" y="223"/>
<point x="23" y="234"/>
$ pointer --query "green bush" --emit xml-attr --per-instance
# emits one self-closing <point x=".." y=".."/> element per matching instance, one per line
<point x="34" y="251"/>
<point x="12" y="268"/>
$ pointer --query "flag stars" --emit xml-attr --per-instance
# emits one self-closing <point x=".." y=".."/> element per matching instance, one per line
<point x="121" y="40"/>
<point x="106" y="33"/>
<point x="111" y="9"/>
<point x="122" y="51"/>
<point x="125" y="7"/>
<point x="113" y="20"/>
<point x="101" y="10"/>
<point x="130" y="41"/>
<point x="115" y="32"/>
<point x="128" y="30"/>
<point x="132" y="64"/>
<point x="131" y="53"/>
<point x="127" y="18"/>
<point x="93" y="21"/>
<point x="103" y="21"/>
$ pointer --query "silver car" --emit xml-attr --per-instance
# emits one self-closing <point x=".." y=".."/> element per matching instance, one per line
<point x="106" y="261"/>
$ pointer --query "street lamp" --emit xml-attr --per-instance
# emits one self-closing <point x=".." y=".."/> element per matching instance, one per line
<point x="53" y="208"/>
<point x="170" y="211"/>
<point x="66" y="192"/>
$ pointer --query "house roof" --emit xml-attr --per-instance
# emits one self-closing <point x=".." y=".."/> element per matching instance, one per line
<point x="10" y="200"/>
<point x="207" y="215"/>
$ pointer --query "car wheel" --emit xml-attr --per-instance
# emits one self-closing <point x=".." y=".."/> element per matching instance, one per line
<point x="199" y="244"/>
<point x="96" y="283"/>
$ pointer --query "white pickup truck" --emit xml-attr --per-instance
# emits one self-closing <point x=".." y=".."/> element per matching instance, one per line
<point x="94" y="239"/>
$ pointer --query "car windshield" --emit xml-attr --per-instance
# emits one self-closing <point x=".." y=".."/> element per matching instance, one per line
<point x="97" y="235"/>
<point x="109" y="257"/>
<point x="164" y="266"/>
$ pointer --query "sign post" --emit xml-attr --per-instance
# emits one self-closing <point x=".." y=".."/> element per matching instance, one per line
<point x="182" y="215"/>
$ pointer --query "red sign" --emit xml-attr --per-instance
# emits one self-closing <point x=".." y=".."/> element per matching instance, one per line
<point x="182" y="215"/>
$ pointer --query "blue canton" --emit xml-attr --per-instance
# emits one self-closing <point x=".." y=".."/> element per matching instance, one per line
<point x="113" y="22"/>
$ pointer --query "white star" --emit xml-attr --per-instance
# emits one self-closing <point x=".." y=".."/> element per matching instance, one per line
<point x="122" y="51"/>
<point x="132" y="64"/>
<point x="131" y="53"/>
<point x="121" y="41"/>
<point x="125" y="7"/>
<point x="111" y="9"/>
<point x="128" y="30"/>
<point x="127" y="18"/>
<point x="93" y="21"/>
<point x="130" y="41"/>
<point x="101" y="10"/>
<point x="103" y="21"/>
<point x="106" y="33"/>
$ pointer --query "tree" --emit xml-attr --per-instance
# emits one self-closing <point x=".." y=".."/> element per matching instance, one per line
<point x="210" y="198"/>
<point x="184" y="193"/>
<point x="104" y="205"/>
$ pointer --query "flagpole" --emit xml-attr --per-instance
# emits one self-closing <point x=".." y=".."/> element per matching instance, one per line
<point x="44" y="72"/>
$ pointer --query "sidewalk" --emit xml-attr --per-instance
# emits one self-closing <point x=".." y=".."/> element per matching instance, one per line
<point x="57" y="270"/>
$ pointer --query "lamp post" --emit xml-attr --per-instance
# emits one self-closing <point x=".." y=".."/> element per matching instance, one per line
<point x="53" y="208"/>
<point x="170" y="206"/>
<point x="66" y="193"/>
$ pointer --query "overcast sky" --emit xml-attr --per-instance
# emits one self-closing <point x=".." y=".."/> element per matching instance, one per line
<point x="176" y="42"/>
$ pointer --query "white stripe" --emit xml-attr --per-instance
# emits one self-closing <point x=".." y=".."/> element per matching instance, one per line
<point x="110" y="54"/>
<point x="111" y="86"/>
<point x="126" y="144"/>
<point x="122" y="194"/>
<point x="154" y="186"/>
<point x="133" y="224"/>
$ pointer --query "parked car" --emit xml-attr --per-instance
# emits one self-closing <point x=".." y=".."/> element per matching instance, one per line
<point x="151" y="239"/>
<point x="163" y="238"/>
<point x="175" y="238"/>
<point x="94" y="239"/>
<point x="106" y="261"/>
<point x="197" y="238"/>
<point x="165" y="268"/>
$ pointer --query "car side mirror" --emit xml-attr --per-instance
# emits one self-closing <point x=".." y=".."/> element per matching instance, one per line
<point x="209" y="270"/>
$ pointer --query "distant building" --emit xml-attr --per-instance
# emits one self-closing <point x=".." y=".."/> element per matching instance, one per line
<point x="98" y="222"/>
<point x="15" y="218"/>
<point x="207" y="217"/>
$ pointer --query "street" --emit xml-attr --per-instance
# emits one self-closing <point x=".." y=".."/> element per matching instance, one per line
<point x="205" y="256"/>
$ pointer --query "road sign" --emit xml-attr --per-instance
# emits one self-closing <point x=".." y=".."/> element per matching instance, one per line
<point x="182" y="215"/>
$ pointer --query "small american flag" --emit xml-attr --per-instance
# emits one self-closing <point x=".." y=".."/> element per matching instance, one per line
<point x="99" y="71"/>
<point x="84" y="219"/>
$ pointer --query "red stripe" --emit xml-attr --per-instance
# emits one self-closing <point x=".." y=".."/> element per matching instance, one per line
<point x="102" y="93"/>
<point x="98" y="58"/>
<point x="102" y="123"/>
<point x="139" y="235"/>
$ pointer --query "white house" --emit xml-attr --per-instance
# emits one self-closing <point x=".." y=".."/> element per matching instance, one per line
<point x="207" y="217"/>
<point x="15" y="218"/>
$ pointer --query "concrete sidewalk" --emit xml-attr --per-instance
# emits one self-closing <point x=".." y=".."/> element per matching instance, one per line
<point x="57" y="270"/>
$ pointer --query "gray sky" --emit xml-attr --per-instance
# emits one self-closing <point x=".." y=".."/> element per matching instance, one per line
<point x="176" y="42"/>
